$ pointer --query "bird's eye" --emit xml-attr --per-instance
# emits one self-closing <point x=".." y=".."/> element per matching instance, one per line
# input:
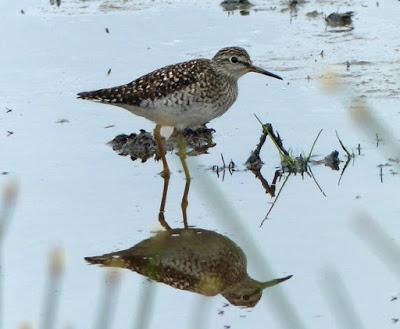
<point x="234" y="59"/>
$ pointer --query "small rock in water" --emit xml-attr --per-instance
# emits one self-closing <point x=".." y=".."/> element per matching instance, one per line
<point x="339" y="19"/>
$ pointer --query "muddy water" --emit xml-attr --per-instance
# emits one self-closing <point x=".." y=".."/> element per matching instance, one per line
<point x="76" y="193"/>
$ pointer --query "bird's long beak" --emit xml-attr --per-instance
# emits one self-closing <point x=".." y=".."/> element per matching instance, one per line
<point x="260" y="70"/>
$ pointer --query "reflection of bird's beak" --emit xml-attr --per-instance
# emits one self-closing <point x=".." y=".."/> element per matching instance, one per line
<point x="274" y="282"/>
<point x="260" y="70"/>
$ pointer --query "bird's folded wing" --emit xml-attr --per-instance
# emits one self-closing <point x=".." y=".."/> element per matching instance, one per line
<point x="151" y="86"/>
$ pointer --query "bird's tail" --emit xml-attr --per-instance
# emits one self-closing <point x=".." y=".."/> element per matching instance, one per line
<point x="107" y="260"/>
<point x="101" y="95"/>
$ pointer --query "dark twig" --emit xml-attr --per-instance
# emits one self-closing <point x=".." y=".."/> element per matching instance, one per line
<point x="268" y="189"/>
<point x="349" y="157"/>
<point x="276" y="139"/>
<point x="276" y="199"/>
<point x="313" y="145"/>
<point x="343" y="170"/>
<point x="310" y="173"/>
<point x="223" y="161"/>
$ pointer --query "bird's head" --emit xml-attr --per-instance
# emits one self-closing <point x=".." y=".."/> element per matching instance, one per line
<point x="235" y="62"/>
<point x="248" y="292"/>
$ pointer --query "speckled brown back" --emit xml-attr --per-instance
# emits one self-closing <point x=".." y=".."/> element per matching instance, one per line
<point x="154" y="85"/>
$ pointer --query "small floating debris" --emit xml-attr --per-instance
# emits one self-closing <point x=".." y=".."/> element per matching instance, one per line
<point x="55" y="2"/>
<point x="339" y="19"/>
<point x="62" y="121"/>
<point x="313" y="14"/>
<point x="235" y="2"/>
<point x="232" y="5"/>
<point x="231" y="168"/>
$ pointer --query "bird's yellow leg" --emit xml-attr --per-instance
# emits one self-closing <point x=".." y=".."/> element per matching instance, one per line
<point x="182" y="157"/>
<point x="165" y="175"/>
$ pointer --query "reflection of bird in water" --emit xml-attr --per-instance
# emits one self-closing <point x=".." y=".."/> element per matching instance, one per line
<point x="339" y="19"/>
<point x="197" y="260"/>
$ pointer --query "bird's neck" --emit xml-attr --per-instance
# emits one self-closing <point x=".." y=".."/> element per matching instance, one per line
<point x="231" y="77"/>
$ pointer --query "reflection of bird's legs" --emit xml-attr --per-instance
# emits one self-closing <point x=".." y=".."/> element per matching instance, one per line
<point x="182" y="157"/>
<point x="165" y="176"/>
<point x="161" y="217"/>
<point x="161" y="151"/>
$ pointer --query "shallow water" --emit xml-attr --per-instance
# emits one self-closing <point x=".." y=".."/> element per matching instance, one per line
<point x="76" y="193"/>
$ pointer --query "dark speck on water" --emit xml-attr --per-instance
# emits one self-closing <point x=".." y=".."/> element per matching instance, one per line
<point x="61" y="121"/>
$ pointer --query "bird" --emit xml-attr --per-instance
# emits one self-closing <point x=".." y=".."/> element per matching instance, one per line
<point x="192" y="259"/>
<point x="183" y="95"/>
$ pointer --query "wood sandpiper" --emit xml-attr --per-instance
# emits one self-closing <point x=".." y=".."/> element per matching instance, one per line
<point x="183" y="95"/>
